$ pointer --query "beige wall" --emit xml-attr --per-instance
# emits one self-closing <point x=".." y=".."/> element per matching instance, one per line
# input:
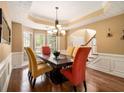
<point x="5" y="49"/>
<point x="107" y="45"/>
<point x="4" y="6"/>
<point x="61" y="42"/>
<point x="17" y="40"/>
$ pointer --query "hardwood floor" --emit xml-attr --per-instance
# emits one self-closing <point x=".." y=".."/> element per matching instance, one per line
<point x="96" y="82"/>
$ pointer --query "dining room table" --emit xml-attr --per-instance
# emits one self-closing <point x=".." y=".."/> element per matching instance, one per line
<point x="61" y="62"/>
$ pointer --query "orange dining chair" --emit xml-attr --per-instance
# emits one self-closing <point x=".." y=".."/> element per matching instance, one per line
<point x="36" y="69"/>
<point x="76" y="74"/>
<point x="46" y="50"/>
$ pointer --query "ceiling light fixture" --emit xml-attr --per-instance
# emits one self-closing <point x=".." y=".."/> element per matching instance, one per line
<point x="58" y="29"/>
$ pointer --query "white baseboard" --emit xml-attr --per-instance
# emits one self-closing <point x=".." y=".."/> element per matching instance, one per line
<point x="24" y="64"/>
<point x="109" y="63"/>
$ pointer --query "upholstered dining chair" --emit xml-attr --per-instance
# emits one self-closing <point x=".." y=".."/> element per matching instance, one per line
<point x="46" y="50"/>
<point x="69" y="50"/>
<point x="36" y="69"/>
<point x="29" y="64"/>
<point x="76" y="74"/>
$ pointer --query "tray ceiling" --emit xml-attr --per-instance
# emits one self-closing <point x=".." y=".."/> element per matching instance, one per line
<point x="68" y="11"/>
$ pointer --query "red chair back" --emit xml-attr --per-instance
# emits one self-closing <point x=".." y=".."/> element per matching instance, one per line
<point x="79" y="65"/>
<point x="46" y="50"/>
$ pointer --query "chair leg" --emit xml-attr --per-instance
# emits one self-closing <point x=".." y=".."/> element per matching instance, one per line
<point x="85" y="86"/>
<point x="75" y="89"/>
<point x="28" y="74"/>
<point x="31" y="79"/>
<point x="34" y="82"/>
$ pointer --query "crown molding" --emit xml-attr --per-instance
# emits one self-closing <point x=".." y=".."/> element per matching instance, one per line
<point x="66" y="24"/>
<point x="40" y="20"/>
<point x="83" y="18"/>
<point x="46" y="21"/>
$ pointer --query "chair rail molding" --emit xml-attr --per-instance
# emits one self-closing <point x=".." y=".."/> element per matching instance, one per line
<point x="5" y="73"/>
<point x="109" y="63"/>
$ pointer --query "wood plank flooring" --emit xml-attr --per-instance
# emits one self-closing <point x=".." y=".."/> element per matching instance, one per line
<point x="96" y="82"/>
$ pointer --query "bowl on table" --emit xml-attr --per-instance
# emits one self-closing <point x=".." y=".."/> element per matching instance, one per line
<point x="56" y="54"/>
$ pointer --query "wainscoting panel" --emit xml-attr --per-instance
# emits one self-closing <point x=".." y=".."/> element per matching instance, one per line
<point x="109" y="63"/>
<point x="5" y="73"/>
<point x="118" y="67"/>
<point x="17" y="59"/>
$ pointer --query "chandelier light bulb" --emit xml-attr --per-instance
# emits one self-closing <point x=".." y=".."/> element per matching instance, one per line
<point x="63" y="32"/>
<point x="52" y="27"/>
<point x="59" y="26"/>
<point x="55" y="31"/>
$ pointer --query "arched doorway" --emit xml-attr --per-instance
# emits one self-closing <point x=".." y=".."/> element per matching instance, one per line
<point x="91" y="40"/>
<point x="84" y="37"/>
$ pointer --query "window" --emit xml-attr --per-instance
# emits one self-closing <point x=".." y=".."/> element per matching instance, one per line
<point x="27" y="39"/>
<point x="39" y="41"/>
<point x="51" y="41"/>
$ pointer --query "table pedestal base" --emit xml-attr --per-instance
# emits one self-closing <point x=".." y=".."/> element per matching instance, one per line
<point x="56" y="77"/>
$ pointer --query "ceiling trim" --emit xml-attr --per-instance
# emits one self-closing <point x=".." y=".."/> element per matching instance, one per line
<point x="69" y="23"/>
<point x="45" y="21"/>
<point x="94" y="14"/>
<point x="40" y="20"/>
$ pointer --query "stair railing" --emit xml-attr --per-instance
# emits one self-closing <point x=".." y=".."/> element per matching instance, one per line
<point x="89" y="40"/>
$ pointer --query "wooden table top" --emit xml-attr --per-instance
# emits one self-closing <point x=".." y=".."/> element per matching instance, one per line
<point x="62" y="60"/>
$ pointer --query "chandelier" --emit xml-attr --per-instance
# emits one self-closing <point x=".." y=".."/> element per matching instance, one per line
<point x="58" y="29"/>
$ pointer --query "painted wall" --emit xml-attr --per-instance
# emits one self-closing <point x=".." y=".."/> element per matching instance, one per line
<point x="5" y="49"/>
<point x="17" y="41"/>
<point x="63" y="42"/>
<point x="113" y="44"/>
